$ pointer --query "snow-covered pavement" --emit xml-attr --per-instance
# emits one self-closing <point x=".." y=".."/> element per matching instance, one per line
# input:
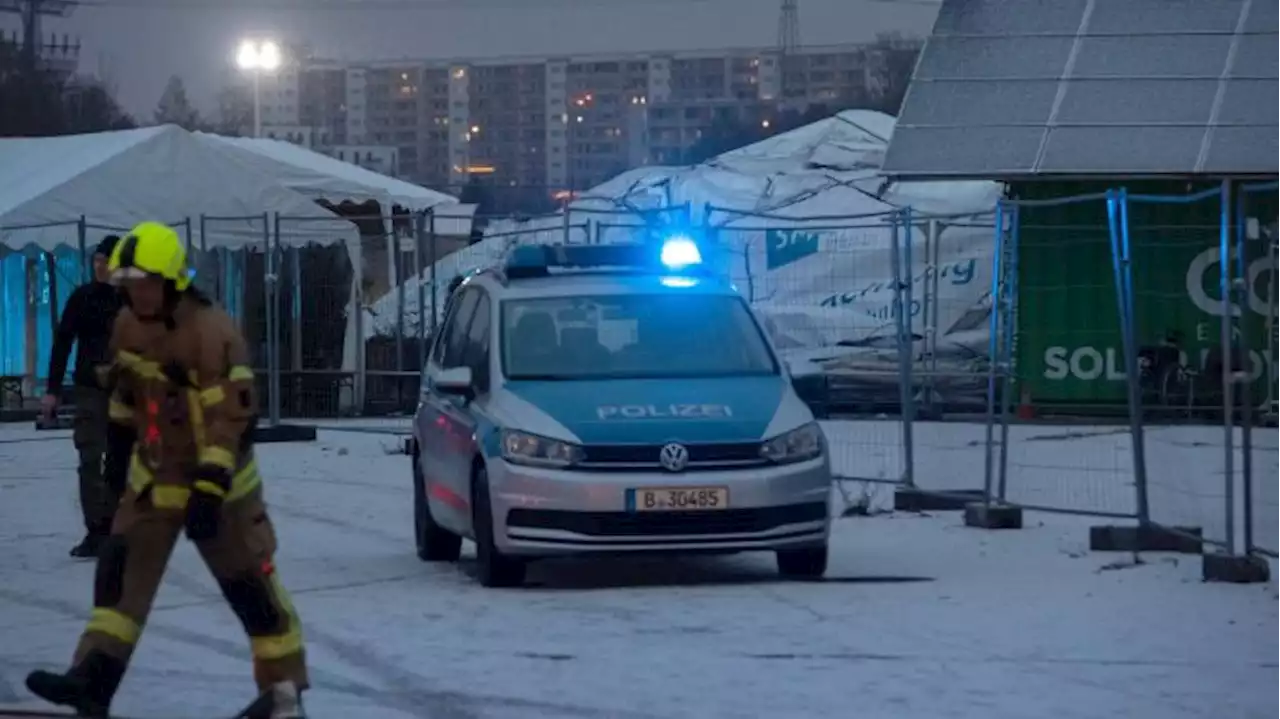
<point x="920" y="618"/>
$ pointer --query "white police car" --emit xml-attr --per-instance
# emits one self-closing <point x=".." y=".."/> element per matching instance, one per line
<point x="612" y="399"/>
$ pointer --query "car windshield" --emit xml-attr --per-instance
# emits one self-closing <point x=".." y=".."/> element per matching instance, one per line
<point x="632" y="336"/>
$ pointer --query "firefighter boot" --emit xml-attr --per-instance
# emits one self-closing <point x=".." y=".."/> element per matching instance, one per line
<point x="89" y="546"/>
<point x="281" y="701"/>
<point x="87" y="687"/>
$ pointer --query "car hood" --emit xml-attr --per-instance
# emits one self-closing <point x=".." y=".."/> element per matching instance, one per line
<point x="655" y="411"/>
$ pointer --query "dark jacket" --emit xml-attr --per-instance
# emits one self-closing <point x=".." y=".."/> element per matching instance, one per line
<point x="86" y="322"/>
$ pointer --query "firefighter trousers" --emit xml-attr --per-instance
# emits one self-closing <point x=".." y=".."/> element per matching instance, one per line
<point x="89" y="433"/>
<point x="131" y="567"/>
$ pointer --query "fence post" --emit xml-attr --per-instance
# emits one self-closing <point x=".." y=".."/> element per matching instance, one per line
<point x="994" y="351"/>
<point x="1226" y="288"/>
<point x="435" y="287"/>
<point x="296" y="314"/>
<point x="272" y="291"/>
<point x="1273" y="350"/>
<point x="82" y="232"/>
<point x="1009" y="309"/>
<point x="908" y="335"/>
<point x="1118" y="221"/>
<point x="419" y="223"/>
<point x="904" y="349"/>
<point x="398" y="278"/>
<point x="1234" y="566"/>
<point x="1240" y="283"/>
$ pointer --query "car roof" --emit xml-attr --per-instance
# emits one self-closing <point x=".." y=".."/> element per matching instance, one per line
<point x="578" y="283"/>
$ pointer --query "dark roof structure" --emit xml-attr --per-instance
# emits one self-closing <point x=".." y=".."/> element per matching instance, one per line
<point x="1020" y="89"/>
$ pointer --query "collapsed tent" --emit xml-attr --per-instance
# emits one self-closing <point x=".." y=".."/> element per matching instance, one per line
<point x="802" y="222"/>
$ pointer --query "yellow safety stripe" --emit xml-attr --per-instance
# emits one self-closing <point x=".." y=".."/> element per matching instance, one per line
<point x="196" y="415"/>
<point x="119" y="411"/>
<point x="240" y="373"/>
<point x="218" y="457"/>
<point x="114" y="624"/>
<point x="208" y="487"/>
<point x="170" y="496"/>
<point x="143" y="368"/>
<point x="244" y="482"/>
<point x="286" y="602"/>
<point x="139" y="475"/>
<point x="279" y="646"/>
<point x="175" y="496"/>
<point x="212" y="396"/>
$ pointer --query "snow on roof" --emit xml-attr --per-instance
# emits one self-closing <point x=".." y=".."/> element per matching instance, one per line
<point x="114" y="180"/>
<point x="322" y="177"/>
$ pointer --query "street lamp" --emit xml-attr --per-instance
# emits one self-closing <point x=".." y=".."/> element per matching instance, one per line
<point x="257" y="57"/>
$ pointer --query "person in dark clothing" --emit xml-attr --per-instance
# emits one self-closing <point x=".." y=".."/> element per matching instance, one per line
<point x="86" y="322"/>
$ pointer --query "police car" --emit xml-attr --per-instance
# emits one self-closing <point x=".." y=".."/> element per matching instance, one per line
<point x="612" y="399"/>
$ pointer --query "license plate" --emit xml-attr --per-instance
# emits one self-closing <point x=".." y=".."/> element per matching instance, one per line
<point x="678" y="499"/>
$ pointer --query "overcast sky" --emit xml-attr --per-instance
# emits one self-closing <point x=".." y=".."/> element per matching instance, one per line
<point x="140" y="43"/>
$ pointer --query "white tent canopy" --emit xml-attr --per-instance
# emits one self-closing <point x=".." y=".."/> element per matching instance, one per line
<point x="324" y="178"/>
<point x="113" y="180"/>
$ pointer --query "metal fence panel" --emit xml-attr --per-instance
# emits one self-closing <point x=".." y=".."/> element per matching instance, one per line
<point x="1202" y="475"/>
<point x="315" y="299"/>
<point x="825" y="289"/>
<point x="1076" y="459"/>
<point x="1258" y="220"/>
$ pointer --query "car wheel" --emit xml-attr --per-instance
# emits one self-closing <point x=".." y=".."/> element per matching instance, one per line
<point x="808" y="563"/>
<point x="495" y="569"/>
<point x="434" y="543"/>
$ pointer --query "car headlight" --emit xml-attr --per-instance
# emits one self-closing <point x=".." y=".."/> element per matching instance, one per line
<point x="797" y="445"/>
<point x="525" y="448"/>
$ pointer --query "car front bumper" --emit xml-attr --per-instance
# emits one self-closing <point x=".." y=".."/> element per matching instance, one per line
<point x="540" y="512"/>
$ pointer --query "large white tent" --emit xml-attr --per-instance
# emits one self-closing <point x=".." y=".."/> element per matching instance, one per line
<point x="55" y="191"/>
<point x="324" y="178"/>
<point x="116" y="179"/>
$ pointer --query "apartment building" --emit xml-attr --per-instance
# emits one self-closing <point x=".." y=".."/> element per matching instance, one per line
<point x="552" y="123"/>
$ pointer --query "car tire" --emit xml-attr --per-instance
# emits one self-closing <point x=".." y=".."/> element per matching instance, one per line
<point x="807" y="563"/>
<point x="434" y="543"/>
<point x="494" y="569"/>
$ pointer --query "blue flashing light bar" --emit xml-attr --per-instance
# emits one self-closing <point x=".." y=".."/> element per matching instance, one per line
<point x="677" y="254"/>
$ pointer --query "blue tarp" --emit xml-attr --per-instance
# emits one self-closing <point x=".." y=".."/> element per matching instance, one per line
<point x="14" y="297"/>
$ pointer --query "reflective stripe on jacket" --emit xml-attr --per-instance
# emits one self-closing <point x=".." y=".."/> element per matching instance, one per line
<point x="187" y="389"/>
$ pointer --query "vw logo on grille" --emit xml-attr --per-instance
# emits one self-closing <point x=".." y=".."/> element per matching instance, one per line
<point x="673" y="457"/>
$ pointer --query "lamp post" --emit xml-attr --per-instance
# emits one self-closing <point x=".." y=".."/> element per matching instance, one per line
<point x="257" y="57"/>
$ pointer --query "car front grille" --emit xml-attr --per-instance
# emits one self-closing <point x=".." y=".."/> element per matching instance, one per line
<point x="640" y="524"/>
<point x="644" y="457"/>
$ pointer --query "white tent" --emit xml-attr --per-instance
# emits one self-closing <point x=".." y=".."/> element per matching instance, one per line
<point x="113" y="180"/>
<point x="116" y="179"/>
<point x="322" y="177"/>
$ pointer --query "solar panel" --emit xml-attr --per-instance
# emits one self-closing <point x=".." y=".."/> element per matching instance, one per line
<point x="1024" y="88"/>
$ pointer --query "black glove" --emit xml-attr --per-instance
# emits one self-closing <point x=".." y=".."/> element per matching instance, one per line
<point x="204" y="510"/>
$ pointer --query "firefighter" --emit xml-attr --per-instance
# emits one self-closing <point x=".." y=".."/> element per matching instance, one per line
<point x="86" y="322"/>
<point x="183" y="410"/>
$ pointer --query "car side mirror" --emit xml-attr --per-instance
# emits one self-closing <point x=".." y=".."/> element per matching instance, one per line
<point x="456" y="381"/>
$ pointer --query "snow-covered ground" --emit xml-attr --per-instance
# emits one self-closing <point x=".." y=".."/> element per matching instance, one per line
<point x="920" y="618"/>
